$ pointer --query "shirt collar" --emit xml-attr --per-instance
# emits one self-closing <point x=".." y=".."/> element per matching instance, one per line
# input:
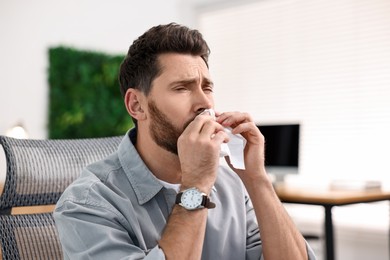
<point x="144" y="183"/>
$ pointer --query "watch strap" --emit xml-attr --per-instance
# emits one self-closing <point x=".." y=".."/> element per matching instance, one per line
<point x="207" y="203"/>
<point x="178" y="198"/>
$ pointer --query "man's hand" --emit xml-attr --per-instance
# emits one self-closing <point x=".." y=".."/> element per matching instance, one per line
<point x="198" y="149"/>
<point x="242" y="123"/>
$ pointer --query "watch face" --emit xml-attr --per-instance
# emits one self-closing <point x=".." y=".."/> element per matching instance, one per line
<point x="191" y="199"/>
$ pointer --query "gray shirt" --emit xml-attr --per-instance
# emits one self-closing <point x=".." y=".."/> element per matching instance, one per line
<point x="117" y="209"/>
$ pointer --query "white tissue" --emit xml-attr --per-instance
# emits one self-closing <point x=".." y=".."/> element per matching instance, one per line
<point x="234" y="148"/>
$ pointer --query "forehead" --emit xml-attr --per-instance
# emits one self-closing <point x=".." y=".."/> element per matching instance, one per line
<point x="176" y="66"/>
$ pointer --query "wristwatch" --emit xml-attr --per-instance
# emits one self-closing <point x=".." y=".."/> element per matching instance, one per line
<point x="193" y="198"/>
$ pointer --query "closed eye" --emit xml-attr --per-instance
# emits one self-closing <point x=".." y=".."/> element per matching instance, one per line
<point x="180" y="88"/>
<point x="208" y="89"/>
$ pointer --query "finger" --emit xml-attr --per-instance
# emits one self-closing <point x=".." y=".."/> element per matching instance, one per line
<point x="210" y="128"/>
<point x="250" y="132"/>
<point x="217" y="113"/>
<point x="246" y="127"/>
<point x="233" y="118"/>
<point x="221" y="137"/>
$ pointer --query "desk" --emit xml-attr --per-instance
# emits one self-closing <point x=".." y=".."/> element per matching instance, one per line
<point x="328" y="199"/>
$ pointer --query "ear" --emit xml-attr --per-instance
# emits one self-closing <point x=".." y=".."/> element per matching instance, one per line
<point x="134" y="103"/>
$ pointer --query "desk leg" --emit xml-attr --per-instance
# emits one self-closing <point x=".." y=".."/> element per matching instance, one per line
<point x="329" y="241"/>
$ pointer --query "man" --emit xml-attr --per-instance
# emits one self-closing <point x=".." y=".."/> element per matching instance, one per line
<point x="164" y="194"/>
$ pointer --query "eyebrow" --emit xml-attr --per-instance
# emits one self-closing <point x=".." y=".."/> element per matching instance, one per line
<point x="191" y="81"/>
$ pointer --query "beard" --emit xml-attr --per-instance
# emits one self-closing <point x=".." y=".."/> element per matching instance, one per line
<point x="163" y="132"/>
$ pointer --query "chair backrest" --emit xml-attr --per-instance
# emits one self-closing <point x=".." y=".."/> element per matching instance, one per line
<point x="38" y="171"/>
<point x="29" y="236"/>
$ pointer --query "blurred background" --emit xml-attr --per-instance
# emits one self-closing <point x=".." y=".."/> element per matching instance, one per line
<point x="323" y="65"/>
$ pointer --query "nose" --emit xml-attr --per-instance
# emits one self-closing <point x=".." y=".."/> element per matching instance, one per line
<point x="202" y="101"/>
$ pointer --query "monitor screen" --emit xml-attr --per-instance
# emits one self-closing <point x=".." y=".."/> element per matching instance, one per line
<point x="281" y="147"/>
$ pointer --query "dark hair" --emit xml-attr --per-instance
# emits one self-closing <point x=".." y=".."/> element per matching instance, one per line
<point x="140" y="66"/>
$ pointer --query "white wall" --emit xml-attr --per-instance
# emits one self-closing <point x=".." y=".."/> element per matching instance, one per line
<point x="324" y="64"/>
<point x="28" y="28"/>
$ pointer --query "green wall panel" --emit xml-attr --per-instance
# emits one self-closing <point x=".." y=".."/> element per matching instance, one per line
<point x="84" y="96"/>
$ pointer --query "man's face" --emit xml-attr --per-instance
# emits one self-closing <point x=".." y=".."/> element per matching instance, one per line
<point x="178" y="95"/>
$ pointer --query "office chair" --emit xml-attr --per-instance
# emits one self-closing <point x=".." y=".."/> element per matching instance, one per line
<point x="38" y="171"/>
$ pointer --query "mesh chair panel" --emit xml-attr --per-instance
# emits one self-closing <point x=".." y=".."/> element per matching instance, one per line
<point x="38" y="171"/>
<point x="29" y="237"/>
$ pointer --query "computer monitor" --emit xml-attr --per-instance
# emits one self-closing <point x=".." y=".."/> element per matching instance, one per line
<point x="281" y="149"/>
